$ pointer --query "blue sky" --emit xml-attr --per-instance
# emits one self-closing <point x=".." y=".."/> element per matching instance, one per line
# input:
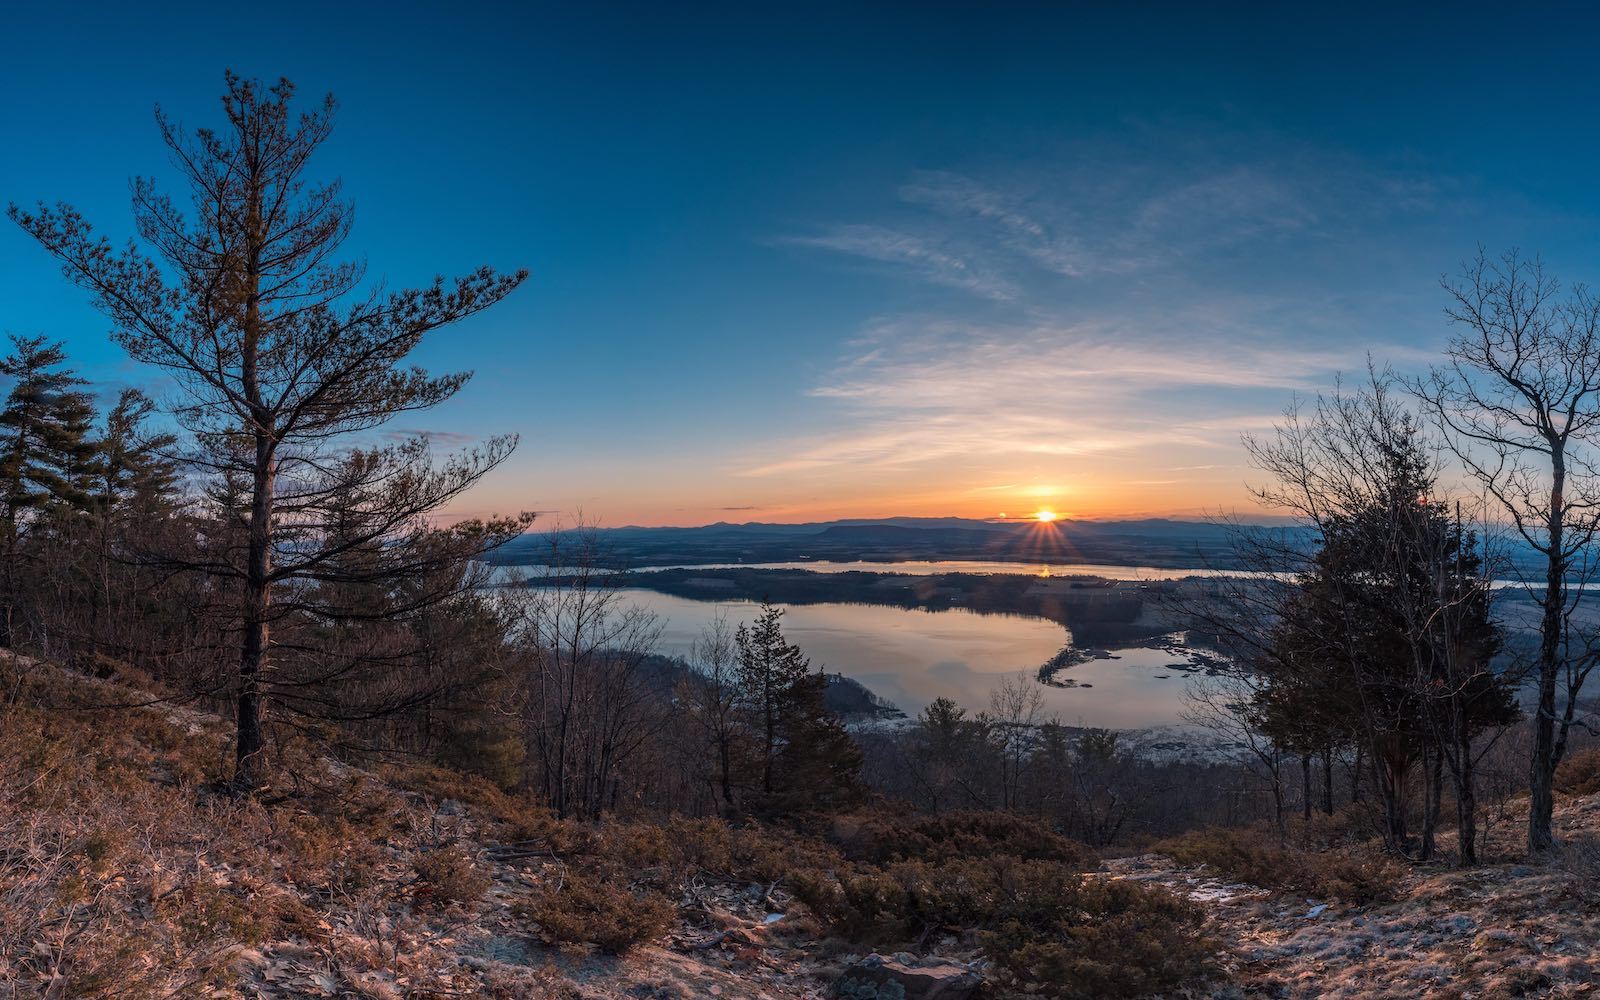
<point x="807" y="261"/>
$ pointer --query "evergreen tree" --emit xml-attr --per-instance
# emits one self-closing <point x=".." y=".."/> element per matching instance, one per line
<point x="770" y="672"/>
<point x="282" y="355"/>
<point x="946" y="748"/>
<point x="46" y="455"/>
<point x="138" y="475"/>
<point x="47" y="460"/>
<point x="1389" y="635"/>
<point x="805" y="754"/>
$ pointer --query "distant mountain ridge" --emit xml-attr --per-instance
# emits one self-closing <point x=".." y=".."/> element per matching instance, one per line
<point x="1160" y="542"/>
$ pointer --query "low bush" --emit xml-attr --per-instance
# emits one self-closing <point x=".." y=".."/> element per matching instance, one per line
<point x="324" y="854"/>
<point x="486" y="798"/>
<point x="449" y="875"/>
<point x="204" y="912"/>
<point x="1048" y="929"/>
<point x="601" y="912"/>
<point x="1579" y="772"/>
<point x="955" y="836"/>
<point x="667" y="852"/>
<point x="1249" y="855"/>
<point x="1078" y="938"/>
<point x="1352" y="824"/>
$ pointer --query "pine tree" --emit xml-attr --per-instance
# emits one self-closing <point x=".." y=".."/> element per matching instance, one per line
<point x="806" y="756"/>
<point x="1389" y="637"/>
<point x="46" y="456"/>
<point x="138" y="475"/>
<point x="946" y="746"/>
<point x="818" y="763"/>
<point x="47" y="460"/>
<point x="770" y="671"/>
<point x="282" y="355"/>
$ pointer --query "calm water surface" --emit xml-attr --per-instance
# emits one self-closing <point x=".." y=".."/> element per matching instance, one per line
<point x="912" y="656"/>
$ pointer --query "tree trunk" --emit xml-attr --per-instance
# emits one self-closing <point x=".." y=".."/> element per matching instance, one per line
<point x="1305" y="787"/>
<point x="1327" y="781"/>
<point x="1542" y="764"/>
<point x="726" y="755"/>
<point x="250" y="767"/>
<point x="1277" y="799"/>
<point x="1466" y="800"/>
<point x="1390" y="771"/>
<point x="771" y="741"/>
<point x="1433" y="781"/>
<point x="8" y="583"/>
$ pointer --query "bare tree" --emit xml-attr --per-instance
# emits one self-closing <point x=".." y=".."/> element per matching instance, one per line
<point x="1015" y="707"/>
<point x="1519" y="399"/>
<point x="1227" y="706"/>
<point x="578" y="666"/>
<point x="711" y="693"/>
<point x="281" y="354"/>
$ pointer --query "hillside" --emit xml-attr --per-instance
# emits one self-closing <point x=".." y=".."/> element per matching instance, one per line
<point x="126" y="873"/>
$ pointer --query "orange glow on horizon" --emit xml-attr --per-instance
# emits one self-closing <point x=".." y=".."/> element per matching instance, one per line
<point x="1045" y="516"/>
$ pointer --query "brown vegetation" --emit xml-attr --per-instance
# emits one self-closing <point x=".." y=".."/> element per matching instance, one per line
<point x="1253" y="855"/>
<point x="584" y="911"/>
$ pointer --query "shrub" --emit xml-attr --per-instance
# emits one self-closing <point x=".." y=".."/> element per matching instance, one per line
<point x="1248" y="856"/>
<point x="1580" y="856"/>
<point x="858" y="904"/>
<point x="1579" y="773"/>
<point x="611" y="917"/>
<point x="449" y="875"/>
<point x="324" y="855"/>
<point x="954" y="836"/>
<point x="1077" y="938"/>
<point x="441" y="783"/>
<point x="680" y="847"/>
<point x="203" y="912"/>
<point x="1048" y="929"/>
<point x="1351" y="824"/>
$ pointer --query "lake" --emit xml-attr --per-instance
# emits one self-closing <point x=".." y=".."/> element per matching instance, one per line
<point x="912" y="656"/>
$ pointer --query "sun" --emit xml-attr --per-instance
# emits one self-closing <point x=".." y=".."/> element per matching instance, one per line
<point x="1045" y="516"/>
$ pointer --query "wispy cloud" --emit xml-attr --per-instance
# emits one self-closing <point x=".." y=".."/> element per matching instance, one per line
<point x="918" y="254"/>
<point x="1015" y="226"/>
<point x="1115" y="308"/>
<point x="1232" y="206"/>
<point x="1104" y="213"/>
<point x="925" y="394"/>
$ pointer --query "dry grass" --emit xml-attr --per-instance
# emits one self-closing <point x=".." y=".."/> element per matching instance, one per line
<point x="1579" y="773"/>
<point x="1250" y="855"/>
<point x="123" y="872"/>
<point x="603" y="912"/>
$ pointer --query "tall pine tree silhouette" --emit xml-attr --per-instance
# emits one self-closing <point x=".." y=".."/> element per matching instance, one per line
<point x="47" y="459"/>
